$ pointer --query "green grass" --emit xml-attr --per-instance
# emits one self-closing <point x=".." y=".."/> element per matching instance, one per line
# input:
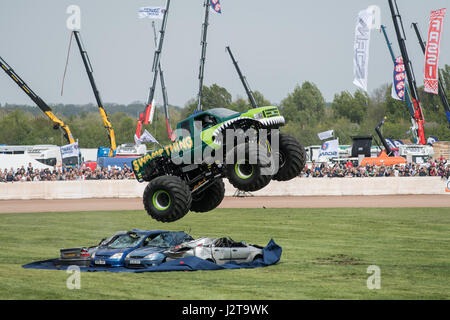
<point x="326" y="253"/>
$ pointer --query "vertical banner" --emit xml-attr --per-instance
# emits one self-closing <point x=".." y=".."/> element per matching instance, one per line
<point x="432" y="51"/>
<point x="361" y="48"/>
<point x="399" y="84"/>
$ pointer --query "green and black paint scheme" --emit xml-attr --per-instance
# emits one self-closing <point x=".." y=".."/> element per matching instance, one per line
<point x="214" y="123"/>
<point x="175" y="187"/>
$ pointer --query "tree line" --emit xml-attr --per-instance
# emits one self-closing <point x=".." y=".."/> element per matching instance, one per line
<point x="305" y="110"/>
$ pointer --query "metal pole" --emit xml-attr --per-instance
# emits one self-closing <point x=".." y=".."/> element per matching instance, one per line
<point x="249" y="92"/>
<point x="418" y="115"/>
<point x="90" y="71"/>
<point x="164" y="93"/>
<point x="203" y="56"/>
<point x="156" y="59"/>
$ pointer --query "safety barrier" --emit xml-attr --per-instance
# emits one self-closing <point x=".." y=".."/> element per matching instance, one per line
<point x="295" y="187"/>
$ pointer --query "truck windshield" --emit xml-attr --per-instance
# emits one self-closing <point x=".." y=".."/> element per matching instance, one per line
<point x="223" y="113"/>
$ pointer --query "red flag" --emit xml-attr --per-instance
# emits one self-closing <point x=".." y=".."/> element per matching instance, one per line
<point x="432" y="51"/>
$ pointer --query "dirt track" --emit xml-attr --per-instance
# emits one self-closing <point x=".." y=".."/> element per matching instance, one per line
<point x="16" y="206"/>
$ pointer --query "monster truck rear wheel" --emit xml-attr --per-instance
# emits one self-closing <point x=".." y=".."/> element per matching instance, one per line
<point x="167" y="198"/>
<point x="210" y="198"/>
<point x="251" y="170"/>
<point x="292" y="158"/>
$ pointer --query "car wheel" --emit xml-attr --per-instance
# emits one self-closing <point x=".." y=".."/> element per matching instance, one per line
<point x="258" y="256"/>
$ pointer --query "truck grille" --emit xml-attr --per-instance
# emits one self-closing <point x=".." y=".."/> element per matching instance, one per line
<point x="269" y="113"/>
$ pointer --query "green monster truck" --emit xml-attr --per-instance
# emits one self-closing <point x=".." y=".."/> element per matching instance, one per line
<point x="187" y="174"/>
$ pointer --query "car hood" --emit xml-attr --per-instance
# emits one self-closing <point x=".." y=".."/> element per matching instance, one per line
<point x="109" y="252"/>
<point x="142" y="252"/>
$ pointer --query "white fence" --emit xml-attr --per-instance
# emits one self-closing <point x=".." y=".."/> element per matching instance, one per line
<point x="295" y="187"/>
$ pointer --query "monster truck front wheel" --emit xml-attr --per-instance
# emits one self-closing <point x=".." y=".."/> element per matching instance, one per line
<point x="210" y="198"/>
<point x="292" y="158"/>
<point x="167" y="198"/>
<point x="251" y="170"/>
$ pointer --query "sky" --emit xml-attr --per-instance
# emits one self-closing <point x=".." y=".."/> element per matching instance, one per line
<point x="278" y="45"/>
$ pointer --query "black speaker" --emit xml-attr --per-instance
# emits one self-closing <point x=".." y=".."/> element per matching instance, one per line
<point x="361" y="145"/>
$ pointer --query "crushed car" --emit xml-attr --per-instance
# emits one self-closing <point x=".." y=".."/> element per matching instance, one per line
<point x="152" y="253"/>
<point x="113" y="254"/>
<point x="219" y="251"/>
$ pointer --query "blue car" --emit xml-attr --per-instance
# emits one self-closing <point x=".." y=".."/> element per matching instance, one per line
<point x="113" y="255"/>
<point x="151" y="254"/>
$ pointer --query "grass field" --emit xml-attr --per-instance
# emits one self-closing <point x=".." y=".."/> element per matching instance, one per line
<point x="326" y="253"/>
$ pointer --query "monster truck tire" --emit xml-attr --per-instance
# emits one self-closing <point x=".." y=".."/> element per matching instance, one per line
<point x="167" y="198"/>
<point x="292" y="158"/>
<point x="244" y="175"/>
<point x="210" y="198"/>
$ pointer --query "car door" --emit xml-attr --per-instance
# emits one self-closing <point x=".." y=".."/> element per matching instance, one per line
<point x="221" y="255"/>
<point x="240" y="253"/>
<point x="221" y="252"/>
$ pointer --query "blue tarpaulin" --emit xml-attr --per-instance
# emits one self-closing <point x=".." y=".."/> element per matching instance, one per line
<point x="271" y="255"/>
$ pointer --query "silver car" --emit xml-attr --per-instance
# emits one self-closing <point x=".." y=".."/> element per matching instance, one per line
<point x="220" y="251"/>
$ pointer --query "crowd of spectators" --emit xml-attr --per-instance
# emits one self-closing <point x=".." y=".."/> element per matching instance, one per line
<point x="440" y="168"/>
<point x="28" y="173"/>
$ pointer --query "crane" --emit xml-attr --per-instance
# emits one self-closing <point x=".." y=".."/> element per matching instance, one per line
<point x="203" y="56"/>
<point x="418" y="114"/>
<point x="90" y="71"/>
<point x="144" y="117"/>
<point x="57" y="123"/>
<point x="249" y="92"/>
<point x="170" y="133"/>
<point x="407" y="92"/>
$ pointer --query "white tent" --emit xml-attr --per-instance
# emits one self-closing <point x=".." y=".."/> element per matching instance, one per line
<point x="16" y="161"/>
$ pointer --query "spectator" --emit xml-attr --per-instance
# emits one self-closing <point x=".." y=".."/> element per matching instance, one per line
<point x="436" y="168"/>
<point x="431" y="168"/>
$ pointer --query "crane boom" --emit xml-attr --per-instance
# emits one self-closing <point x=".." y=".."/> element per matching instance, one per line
<point x="156" y="60"/>
<point x="203" y="56"/>
<point x="170" y="133"/>
<point x="418" y="114"/>
<point x="249" y="92"/>
<point x="407" y="92"/>
<point x="407" y="98"/>
<point x="90" y="71"/>
<point x="58" y="123"/>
